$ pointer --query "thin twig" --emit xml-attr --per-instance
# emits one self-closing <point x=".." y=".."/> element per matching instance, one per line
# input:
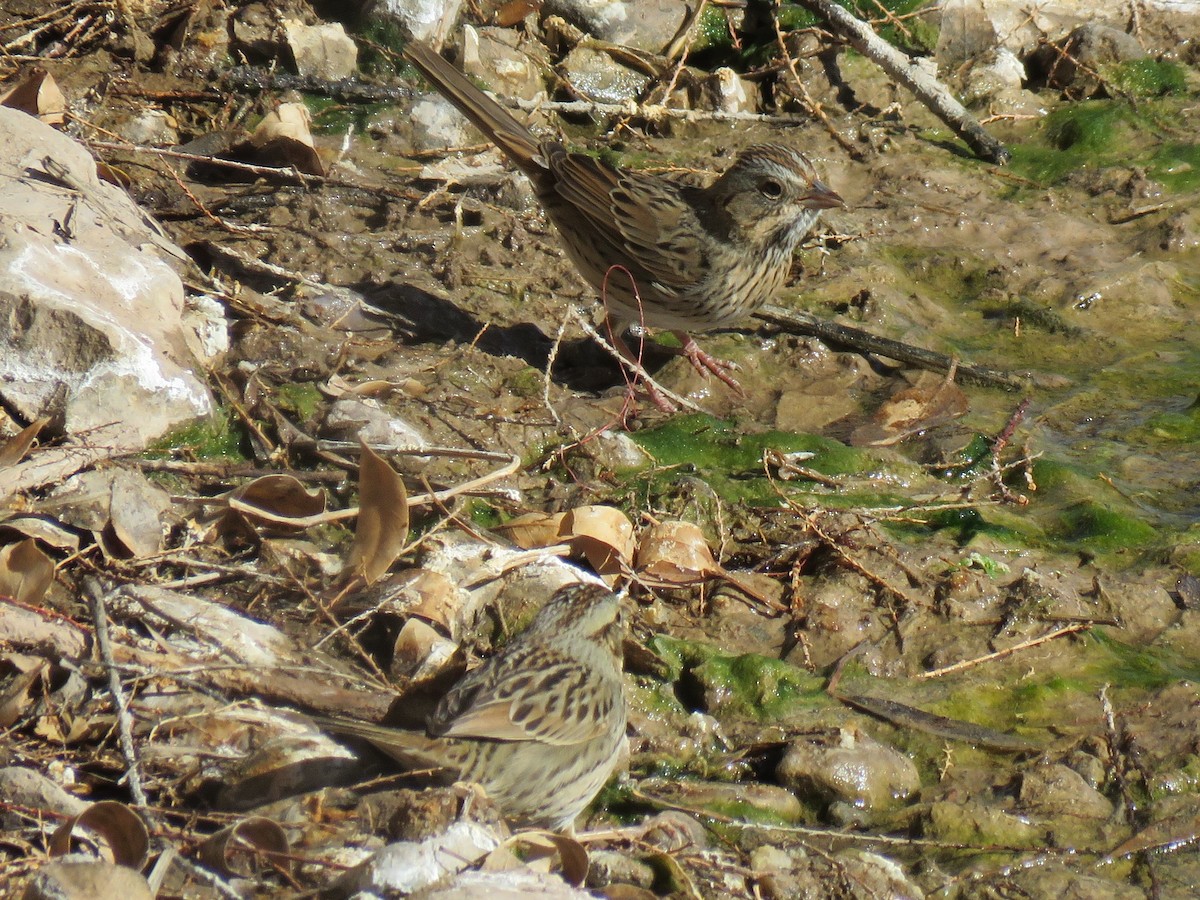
<point x="905" y="70"/>
<point x="1007" y="651"/>
<point x="124" y="721"/>
<point x="845" y="336"/>
<point x="630" y="365"/>
<point x="285" y="172"/>
<point x="809" y="101"/>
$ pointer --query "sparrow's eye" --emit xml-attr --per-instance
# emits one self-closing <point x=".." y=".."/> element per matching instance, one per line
<point x="770" y="188"/>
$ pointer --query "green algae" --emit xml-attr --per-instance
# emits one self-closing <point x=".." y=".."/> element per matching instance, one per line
<point x="1126" y="666"/>
<point x="1170" y="427"/>
<point x="527" y="382"/>
<point x="382" y="38"/>
<point x="217" y="437"/>
<point x="303" y="399"/>
<point x="746" y="685"/>
<point x="1147" y="77"/>
<point x="709" y="443"/>
<point x="729" y="459"/>
<point x="1097" y="133"/>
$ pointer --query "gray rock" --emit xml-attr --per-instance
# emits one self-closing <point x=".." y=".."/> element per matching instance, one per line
<point x="90" y="309"/>
<point x="150" y="127"/>
<point x="434" y="124"/>
<point x="1056" y="790"/>
<point x="1077" y="65"/>
<point x="321" y="51"/>
<point x="254" y="31"/>
<point x="849" y="767"/>
<point x="965" y="31"/>
<point x="77" y="878"/>
<point x="994" y="82"/>
<point x="642" y="24"/>
<point x="363" y="418"/>
<point x="430" y="21"/>
<point x="995" y="71"/>
<point x="499" y="60"/>
<point x="597" y="76"/>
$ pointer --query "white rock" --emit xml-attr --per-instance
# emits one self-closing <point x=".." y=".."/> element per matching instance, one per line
<point x="89" y="306"/>
<point x="322" y="51"/>
<point x="412" y="865"/>
<point x="425" y="20"/>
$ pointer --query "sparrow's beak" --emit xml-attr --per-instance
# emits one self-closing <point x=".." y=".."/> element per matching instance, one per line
<point x="822" y="197"/>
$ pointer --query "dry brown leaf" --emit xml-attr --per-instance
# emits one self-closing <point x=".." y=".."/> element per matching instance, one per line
<point x="279" y="497"/>
<point x="537" y="850"/>
<point x="533" y="530"/>
<point x="136" y="514"/>
<point x="18" y="445"/>
<point x="18" y="674"/>
<point x="675" y="553"/>
<point x="420" y="651"/>
<point x="514" y="11"/>
<point x="38" y="95"/>
<point x="47" y="530"/>
<point x="912" y="410"/>
<point x="287" y="120"/>
<point x="430" y="595"/>
<point x="602" y="535"/>
<point x="26" y="573"/>
<point x="283" y="138"/>
<point x="112" y="827"/>
<point x="382" y="529"/>
<point x="246" y="848"/>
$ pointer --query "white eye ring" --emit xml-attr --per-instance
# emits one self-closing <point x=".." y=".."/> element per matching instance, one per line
<point x="771" y="189"/>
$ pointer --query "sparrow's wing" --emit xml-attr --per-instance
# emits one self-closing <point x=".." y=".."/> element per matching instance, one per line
<point x="582" y="208"/>
<point x="537" y="694"/>
<point x="639" y="220"/>
<point x="661" y="230"/>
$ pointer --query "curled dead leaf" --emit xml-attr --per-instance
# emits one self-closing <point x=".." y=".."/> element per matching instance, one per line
<point x="15" y="448"/>
<point x="931" y="401"/>
<point x="26" y="573"/>
<point x="283" y="138"/>
<point x="602" y="535"/>
<point x="18" y="674"/>
<point x="109" y="830"/>
<point x="675" y="553"/>
<point x="421" y="651"/>
<point x="383" y="517"/>
<point x="432" y="596"/>
<point x="246" y="848"/>
<point x="533" y="530"/>
<point x="538" y="850"/>
<point x="38" y="95"/>
<point x="277" y="498"/>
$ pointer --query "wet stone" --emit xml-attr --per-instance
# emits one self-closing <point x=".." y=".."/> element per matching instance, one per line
<point x="849" y="766"/>
<point x="643" y="24"/>
<point x="753" y="801"/>
<point x="492" y="56"/>
<point x="608" y="867"/>
<point x="597" y="76"/>
<point x="1055" y="789"/>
